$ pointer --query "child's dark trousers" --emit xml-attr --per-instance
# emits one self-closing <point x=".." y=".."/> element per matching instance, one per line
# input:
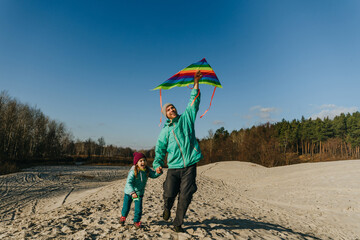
<point x="127" y="204"/>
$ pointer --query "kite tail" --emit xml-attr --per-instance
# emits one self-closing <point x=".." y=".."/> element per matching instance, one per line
<point x="195" y="97"/>
<point x="210" y="103"/>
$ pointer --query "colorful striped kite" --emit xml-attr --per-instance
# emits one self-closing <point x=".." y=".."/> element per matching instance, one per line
<point x="186" y="77"/>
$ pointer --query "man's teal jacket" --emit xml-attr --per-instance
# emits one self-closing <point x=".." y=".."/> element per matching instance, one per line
<point x="177" y="138"/>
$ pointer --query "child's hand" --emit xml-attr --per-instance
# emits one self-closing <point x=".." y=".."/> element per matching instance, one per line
<point x="134" y="195"/>
<point x="159" y="170"/>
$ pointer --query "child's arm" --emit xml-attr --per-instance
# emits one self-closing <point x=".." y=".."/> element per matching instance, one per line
<point x="153" y="174"/>
<point x="130" y="182"/>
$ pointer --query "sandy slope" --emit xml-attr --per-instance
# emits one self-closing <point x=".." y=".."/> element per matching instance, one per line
<point x="235" y="200"/>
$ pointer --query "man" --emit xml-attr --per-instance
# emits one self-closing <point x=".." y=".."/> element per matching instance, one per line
<point x="177" y="138"/>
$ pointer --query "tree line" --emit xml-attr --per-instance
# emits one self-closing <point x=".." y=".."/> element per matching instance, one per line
<point x="27" y="136"/>
<point x="287" y="142"/>
<point x="26" y="133"/>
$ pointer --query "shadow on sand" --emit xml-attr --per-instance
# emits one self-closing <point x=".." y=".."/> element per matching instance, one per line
<point x="235" y="224"/>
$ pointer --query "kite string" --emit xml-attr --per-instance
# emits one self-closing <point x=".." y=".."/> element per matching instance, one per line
<point x="210" y="103"/>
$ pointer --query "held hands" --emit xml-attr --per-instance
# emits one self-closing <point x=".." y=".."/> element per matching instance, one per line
<point x="134" y="195"/>
<point x="198" y="75"/>
<point x="159" y="170"/>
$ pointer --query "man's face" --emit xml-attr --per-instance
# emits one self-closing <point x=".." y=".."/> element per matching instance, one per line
<point x="171" y="112"/>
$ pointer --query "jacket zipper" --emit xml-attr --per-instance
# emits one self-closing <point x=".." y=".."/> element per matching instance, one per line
<point x="179" y="146"/>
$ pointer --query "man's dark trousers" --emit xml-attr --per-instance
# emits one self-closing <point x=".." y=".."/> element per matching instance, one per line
<point x="180" y="181"/>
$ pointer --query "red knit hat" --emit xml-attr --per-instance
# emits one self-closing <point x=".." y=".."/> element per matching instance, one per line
<point x="137" y="157"/>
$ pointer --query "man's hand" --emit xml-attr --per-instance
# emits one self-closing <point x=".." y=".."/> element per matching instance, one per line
<point x="197" y="77"/>
<point x="134" y="195"/>
<point x="159" y="170"/>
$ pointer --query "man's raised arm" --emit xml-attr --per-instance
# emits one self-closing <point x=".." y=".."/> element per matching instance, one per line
<point x="197" y="77"/>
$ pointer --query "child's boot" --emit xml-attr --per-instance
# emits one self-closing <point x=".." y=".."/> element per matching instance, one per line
<point x="137" y="224"/>
<point x="122" y="221"/>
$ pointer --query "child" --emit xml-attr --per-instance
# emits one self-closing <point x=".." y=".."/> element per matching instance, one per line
<point x="135" y="188"/>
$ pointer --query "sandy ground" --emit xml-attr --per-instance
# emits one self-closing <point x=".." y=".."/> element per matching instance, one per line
<point x="235" y="200"/>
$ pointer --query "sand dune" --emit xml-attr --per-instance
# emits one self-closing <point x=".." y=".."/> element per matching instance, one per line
<point x="235" y="200"/>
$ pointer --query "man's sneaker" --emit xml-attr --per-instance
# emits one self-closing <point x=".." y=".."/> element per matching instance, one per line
<point x="137" y="224"/>
<point x="122" y="221"/>
<point x="166" y="214"/>
<point x="178" y="229"/>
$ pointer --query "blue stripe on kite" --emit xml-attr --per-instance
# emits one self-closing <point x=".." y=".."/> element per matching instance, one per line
<point x="178" y="80"/>
<point x="200" y="63"/>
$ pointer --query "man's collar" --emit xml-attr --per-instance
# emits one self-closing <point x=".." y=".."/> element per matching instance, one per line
<point x="175" y="119"/>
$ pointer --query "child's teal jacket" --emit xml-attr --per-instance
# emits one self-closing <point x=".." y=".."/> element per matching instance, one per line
<point x="137" y="184"/>
<point x="177" y="138"/>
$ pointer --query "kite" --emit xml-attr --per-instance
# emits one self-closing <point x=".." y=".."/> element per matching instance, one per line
<point x="186" y="77"/>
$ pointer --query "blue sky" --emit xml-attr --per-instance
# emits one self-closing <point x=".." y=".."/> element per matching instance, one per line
<point x="91" y="64"/>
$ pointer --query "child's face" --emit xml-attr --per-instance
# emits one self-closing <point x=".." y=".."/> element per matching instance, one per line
<point x="142" y="163"/>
